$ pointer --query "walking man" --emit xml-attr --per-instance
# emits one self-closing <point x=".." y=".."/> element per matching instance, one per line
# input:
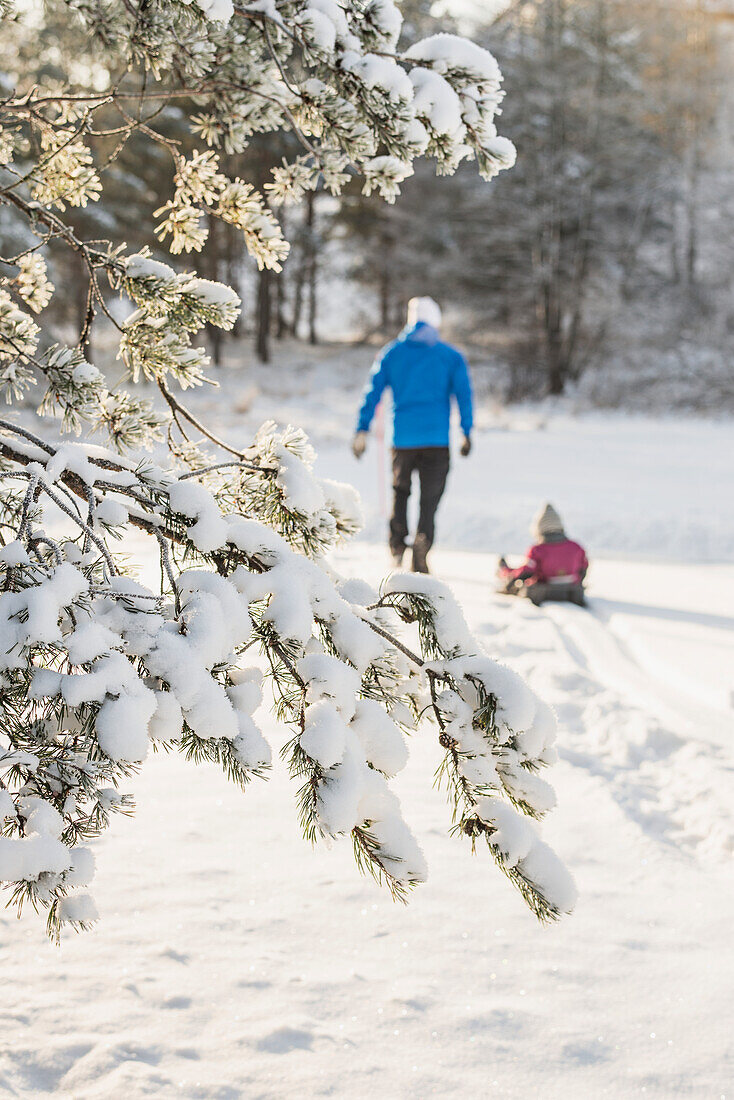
<point x="423" y="374"/>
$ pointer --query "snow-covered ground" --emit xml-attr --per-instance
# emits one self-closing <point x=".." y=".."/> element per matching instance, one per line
<point x="232" y="960"/>
<point x="658" y="489"/>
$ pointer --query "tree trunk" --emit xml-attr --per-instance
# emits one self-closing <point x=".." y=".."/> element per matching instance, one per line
<point x="692" y="204"/>
<point x="211" y="265"/>
<point x="674" y="261"/>
<point x="384" y="298"/>
<point x="262" y="344"/>
<point x="312" y="268"/>
<point x="299" y="284"/>
<point x="701" y="115"/>
<point x="584" y="232"/>
<point x="312" y="298"/>
<point x="216" y="340"/>
<point x="233" y="247"/>
<point x="281" y="326"/>
<point x="553" y="239"/>
<point x="554" y="339"/>
<point x="298" y="298"/>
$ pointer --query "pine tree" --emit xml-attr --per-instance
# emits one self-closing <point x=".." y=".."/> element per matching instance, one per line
<point x="399" y="250"/>
<point x="594" y="250"/>
<point x="95" y="667"/>
<point x="588" y="164"/>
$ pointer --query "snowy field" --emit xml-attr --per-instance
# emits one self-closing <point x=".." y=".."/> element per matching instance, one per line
<point x="628" y="485"/>
<point x="234" y="961"/>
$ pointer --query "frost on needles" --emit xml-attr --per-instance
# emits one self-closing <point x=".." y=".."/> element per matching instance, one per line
<point x="95" y="667"/>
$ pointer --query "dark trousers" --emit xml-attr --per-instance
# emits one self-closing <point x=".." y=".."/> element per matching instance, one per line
<point x="432" y="464"/>
<point x="566" y="593"/>
<point x="541" y="591"/>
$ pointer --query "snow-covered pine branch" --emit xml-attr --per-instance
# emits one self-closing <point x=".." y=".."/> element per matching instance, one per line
<point x="95" y="667"/>
<point x="497" y="735"/>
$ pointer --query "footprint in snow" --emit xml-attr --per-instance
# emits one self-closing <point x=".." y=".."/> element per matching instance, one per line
<point x="285" y="1039"/>
<point x="177" y="956"/>
<point x="586" y="1054"/>
<point x="176" y="1002"/>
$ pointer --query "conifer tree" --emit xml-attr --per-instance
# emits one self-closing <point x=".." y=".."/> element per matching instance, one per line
<point x="95" y="667"/>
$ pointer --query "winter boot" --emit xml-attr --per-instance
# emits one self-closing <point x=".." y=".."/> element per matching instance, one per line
<point x="420" y="554"/>
<point x="397" y="554"/>
<point x="577" y="595"/>
<point x="536" y="593"/>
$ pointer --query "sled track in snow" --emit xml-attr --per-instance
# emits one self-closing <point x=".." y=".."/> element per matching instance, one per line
<point x="648" y="743"/>
<point x="662" y="755"/>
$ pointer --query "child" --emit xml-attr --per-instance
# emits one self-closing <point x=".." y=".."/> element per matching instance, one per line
<point x="555" y="567"/>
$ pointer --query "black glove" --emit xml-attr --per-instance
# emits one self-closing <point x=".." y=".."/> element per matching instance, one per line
<point x="465" y="447"/>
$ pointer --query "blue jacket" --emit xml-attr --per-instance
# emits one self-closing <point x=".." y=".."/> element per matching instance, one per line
<point x="423" y="374"/>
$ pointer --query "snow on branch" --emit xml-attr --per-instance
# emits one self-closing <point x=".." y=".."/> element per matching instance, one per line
<point x="95" y="667"/>
<point x="496" y="734"/>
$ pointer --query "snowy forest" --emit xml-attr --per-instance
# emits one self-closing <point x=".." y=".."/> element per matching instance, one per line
<point x="311" y="782"/>
<point x="609" y="264"/>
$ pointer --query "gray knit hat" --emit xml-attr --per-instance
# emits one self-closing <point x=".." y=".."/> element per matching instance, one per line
<point x="547" y="522"/>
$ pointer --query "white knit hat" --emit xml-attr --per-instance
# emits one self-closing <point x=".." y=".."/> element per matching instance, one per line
<point x="547" y="522"/>
<point x="425" y="310"/>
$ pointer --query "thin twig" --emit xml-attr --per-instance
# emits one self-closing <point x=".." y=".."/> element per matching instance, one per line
<point x="228" y="465"/>
<point x="394" y="642"/>
<point x="175" y="405"/>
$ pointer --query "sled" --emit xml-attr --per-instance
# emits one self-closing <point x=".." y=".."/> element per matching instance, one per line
<point x="558" y="589"/>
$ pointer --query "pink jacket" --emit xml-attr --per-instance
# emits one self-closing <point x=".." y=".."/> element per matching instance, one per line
<point x="553" y="559"/>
